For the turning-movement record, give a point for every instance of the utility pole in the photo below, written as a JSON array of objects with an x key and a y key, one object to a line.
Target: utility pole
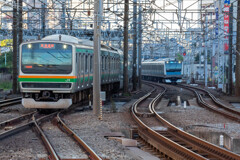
[
  {"x": 220, "y": 47},
  {"x": 96, "y": 56},
  {"x": 15, "y": 44},
  {"x": 20, "y": 33},
  {"x": 63, "y": 22},
  {"x": 237, "y": 72},
  {"x": 134, "y": 73},
  {"x": 140, "y": 47},
  {"x": 205, "y": 54},
  {"x": 125, "y": 56},
  {"x": 212, "y": 55},
  {"x": 43, "y": 20},
  {"x": 230, "y": 81},
  {"x": 20, "y": 22},
  {"x": 201, "y": 42}
]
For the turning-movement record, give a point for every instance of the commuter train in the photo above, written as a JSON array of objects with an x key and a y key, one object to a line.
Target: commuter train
[
  {"x": 57, "y": 71},
  {"x": 162, "y": 70}
]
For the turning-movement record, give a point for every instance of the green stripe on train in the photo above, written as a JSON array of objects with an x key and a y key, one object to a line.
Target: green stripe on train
[{"x": 46, "y": 80}]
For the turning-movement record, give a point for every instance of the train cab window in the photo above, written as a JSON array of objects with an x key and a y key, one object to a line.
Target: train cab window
[
  {"x": 86, "y": 64},
  {"x": 91, "y": 63}
]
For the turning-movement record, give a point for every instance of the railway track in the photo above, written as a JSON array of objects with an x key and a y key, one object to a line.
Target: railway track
[
  {"x": 90, "y": 154},
  {"x": 35, "y": 120},
  {"x": 216, "y": 105},
  {"x": 15, "y": 125},
  {"x": 171, "y": 142},
  {"x": 12, "y": 101}
]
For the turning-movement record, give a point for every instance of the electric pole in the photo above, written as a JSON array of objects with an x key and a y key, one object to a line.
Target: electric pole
[
  {"x": 20, "y": 20},
  {"x": 43, "y": 20},
  {"x": 96, "y": 56},
  {"x": 230, "y": 81},
  {"x": 140, "y": 47},
  {"x": 15, "y": 45},
  {"x": 134, "y": 75},
  {"x": 237, "y": 72},
  {"x": 205, "y": 54},
  {"x": 125, "y": 56}
]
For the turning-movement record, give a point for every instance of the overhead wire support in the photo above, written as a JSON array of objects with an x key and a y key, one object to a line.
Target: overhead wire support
[
  {"x": 125, "y": 52},
  {"x": 134, "y": 73},
  {"x": 206, "y": 54},
  {"x": 140, "y": 47},
  {"x": 15, "y": 46},
  {"x": 230, "y": 79},
  {"x": 237, "y": 72},
  {"x": 96, "y": 56}
]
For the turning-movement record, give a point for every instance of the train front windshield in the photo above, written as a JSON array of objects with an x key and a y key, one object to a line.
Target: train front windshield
[
  {"x": 46, "y": 58},
  {"x": 174, "y": 67}
]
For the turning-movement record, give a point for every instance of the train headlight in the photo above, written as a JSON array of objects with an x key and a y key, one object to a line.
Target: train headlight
[
  {"x": 29, "y": 46},
  {"x": 64, "y": 46},
  {"x": 167, "y": 62},
  {"x": 179, "y": 61}
]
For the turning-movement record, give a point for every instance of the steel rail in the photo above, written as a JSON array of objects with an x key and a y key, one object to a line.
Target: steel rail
[
  {"x": 10, "y": 102},
  {"x": 216, "y": 101},
  {"x": 210, "y": 107},
  {"x": 16, "y": 120},
  {"x": 44, "y": 138},
  {"x": 145, "y": 97},
  {"x": 160, "y": 142},
  {"x": 15, "y": 130},
  {"x": 215, "y": 150},
  {"x": 91, "y": 153}
]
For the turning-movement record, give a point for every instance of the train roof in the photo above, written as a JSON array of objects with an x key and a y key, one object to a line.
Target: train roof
[
  {"x": 159, "y": 60},
  {"x": 71, "y": 39},
  {"x": 150, "y": 61}
]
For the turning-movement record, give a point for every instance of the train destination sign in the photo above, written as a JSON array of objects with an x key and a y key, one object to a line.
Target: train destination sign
[{"x": 47, "y": 46}]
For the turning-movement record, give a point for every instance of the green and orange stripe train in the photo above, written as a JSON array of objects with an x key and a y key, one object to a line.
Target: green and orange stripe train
[{"x": 57, "y": 71}]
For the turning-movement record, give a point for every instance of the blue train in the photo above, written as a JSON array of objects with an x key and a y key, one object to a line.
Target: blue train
[{"x": 162, "y": 70}]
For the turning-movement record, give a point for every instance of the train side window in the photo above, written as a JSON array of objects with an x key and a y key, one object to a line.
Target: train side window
[
  {"x": 91, "y": 64},
  {"x": 82, "y": 63},
  {"x": 76, "y": 57},
  {"x": 108, "y": 62},
  {"x": 115, "y": 63},
  {"x": 102, "y": 63},
  {"x": 112, "y": 62},
  {"x": 105, "y": 63},
  {"x": 79, "y": 62},
  {"x": 86, "y": 64}
]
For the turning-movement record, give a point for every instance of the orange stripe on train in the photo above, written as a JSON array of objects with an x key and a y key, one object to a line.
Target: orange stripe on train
[{"x": 27, "y": 76}]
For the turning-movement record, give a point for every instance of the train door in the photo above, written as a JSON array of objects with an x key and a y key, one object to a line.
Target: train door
[
  {"x": 112, "y": 62},
  {"x": 109, "y": 66},
  {"x": 91, "y": 70},
  {"x": 102, "y": 68},
  {"x": 79, "y": 70},
  {"x": 87, "y": 70},
  {"x": 82, "y": 69}
]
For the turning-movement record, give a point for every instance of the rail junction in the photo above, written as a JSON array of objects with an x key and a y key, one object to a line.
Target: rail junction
[{"x": 124, "y": 80}]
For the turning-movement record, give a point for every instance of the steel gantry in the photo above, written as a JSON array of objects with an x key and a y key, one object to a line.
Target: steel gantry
[{"x": 172, "y": 26}]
